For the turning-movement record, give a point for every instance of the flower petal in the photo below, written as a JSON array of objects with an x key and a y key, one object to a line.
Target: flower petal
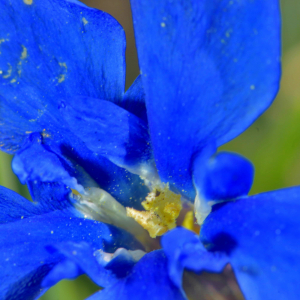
[
  {"x": 24, "y": 261},
  {"x": 52, "y": 49},
  {"x": 209, "y": 69},
  {"x": 65, "y": 269},
  {"x": 224, "y": 176},
  {"x": 103, "y": 268},
  {"x": 48, "y": 41},
  {"x": 148, "y": 280},
  {"x": 134, "y": 99},
  {"x": 47, "y": 168},
  {"x": 110, "y": 131},
  {"x": 14, "y": 207},
  {"x": 80, "y": 259},
  {"x": 92, "y": 170},
  {"x": 260, "y": 234},
  {"x": 184, "y": 250}
]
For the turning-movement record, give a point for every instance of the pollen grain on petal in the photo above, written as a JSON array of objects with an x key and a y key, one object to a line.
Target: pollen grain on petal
[
  {"x": 84, "y": 21},
  {"x": 28, "y": 2},
  {"x": 45, "y": 134}
]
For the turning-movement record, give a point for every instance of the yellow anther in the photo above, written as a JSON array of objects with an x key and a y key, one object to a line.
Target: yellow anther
[
  {"x": 75, "y": 192},
  {"x": 188, "y": 221},
  {"x": 162, "y": 209},
  {"x": 151, "y": 222}
]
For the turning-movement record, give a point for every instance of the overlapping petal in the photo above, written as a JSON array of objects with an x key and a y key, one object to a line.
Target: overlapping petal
[
  {"x": 110, "y": 131},
  {"x": 260, "y": 234},
  {"x": 225, "y": 176},
  {"x": 79, "y": 259},
  {"x": 134, "y": 99},
  {"x": 185, "y": 251},
  {"x": 209, "y": 69},
  {"x": 24, "y": 258},
  {"x": 105, "y": 269},
  {"x": 48, "y": 168},
  {"x": 148, "y": 280},
  {"x": 51, "y": 50}
]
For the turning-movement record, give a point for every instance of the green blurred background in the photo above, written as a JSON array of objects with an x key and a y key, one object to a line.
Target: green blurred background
[{"x": 272, "y": 143}]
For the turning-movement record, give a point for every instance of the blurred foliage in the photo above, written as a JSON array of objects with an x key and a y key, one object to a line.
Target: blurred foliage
[{"x": 272, "y": 143}]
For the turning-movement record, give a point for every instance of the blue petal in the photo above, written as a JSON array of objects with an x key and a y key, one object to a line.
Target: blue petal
[
  {"x": 134, "y": 99},
  {"x": 103, "y": 268},
  {"x": 90, "y": 45},
  {"x": 36, "y": 163},
  {"x": 148, "y": 280},
  {"x": 109, "y": 130},
  {"x": 50, "y": 196},
  {"x": 209, "y": 69},
  {"x": 65, "y": 269},
  {"x": 48, "y": 50},
  {"x": 124, "y": 186},
  {"x": 80, "y": 259},
  {"x": 224, "y": 176},
  {"x": 24, "y": 260},
  {"x": 260, "y": 234},
  {"x": 184, "y": 250},
  {"x": 121, "y": 262}
]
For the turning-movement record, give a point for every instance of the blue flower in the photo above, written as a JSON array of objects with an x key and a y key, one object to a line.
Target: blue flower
[{"x": 103, "y": 165}]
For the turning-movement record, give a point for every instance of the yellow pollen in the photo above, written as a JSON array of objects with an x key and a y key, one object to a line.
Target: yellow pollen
[
  {"x": 63, "y": 65},
  {"x": 8, "y": 71},
  {"x": 45, "y": 134},
  {"x": 28, "y": 2},
  {"x": 24, "y": 52},
  {"x": 188, "y": 221},
  {"x": 162, "y": 209},
  {"x": 84, "y": 20},
  {"x": 148, "y": 221},
  {"x": 75, "y": 192},
  {"x": 61, "y": 78}
]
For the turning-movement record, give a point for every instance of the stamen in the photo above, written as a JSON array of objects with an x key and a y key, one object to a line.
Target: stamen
[
  {"x": 189, "y": 222},
  {"x": 99, "y": 205},
  {"x": 75, "y": 192},
  {"x": 202, "y": 208},
  {"x": 149, "y": 221},
  {"x": 162, "y": 209}
]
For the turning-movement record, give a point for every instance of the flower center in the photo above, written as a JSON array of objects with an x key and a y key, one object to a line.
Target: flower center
[{"x": 162, "y": 207}]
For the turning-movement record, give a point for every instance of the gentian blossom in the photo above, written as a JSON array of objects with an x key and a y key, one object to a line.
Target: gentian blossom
[{"x": 109, "y": 170}]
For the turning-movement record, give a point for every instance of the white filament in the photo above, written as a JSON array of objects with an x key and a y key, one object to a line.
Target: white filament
[{"x": 99, "y": 205}]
